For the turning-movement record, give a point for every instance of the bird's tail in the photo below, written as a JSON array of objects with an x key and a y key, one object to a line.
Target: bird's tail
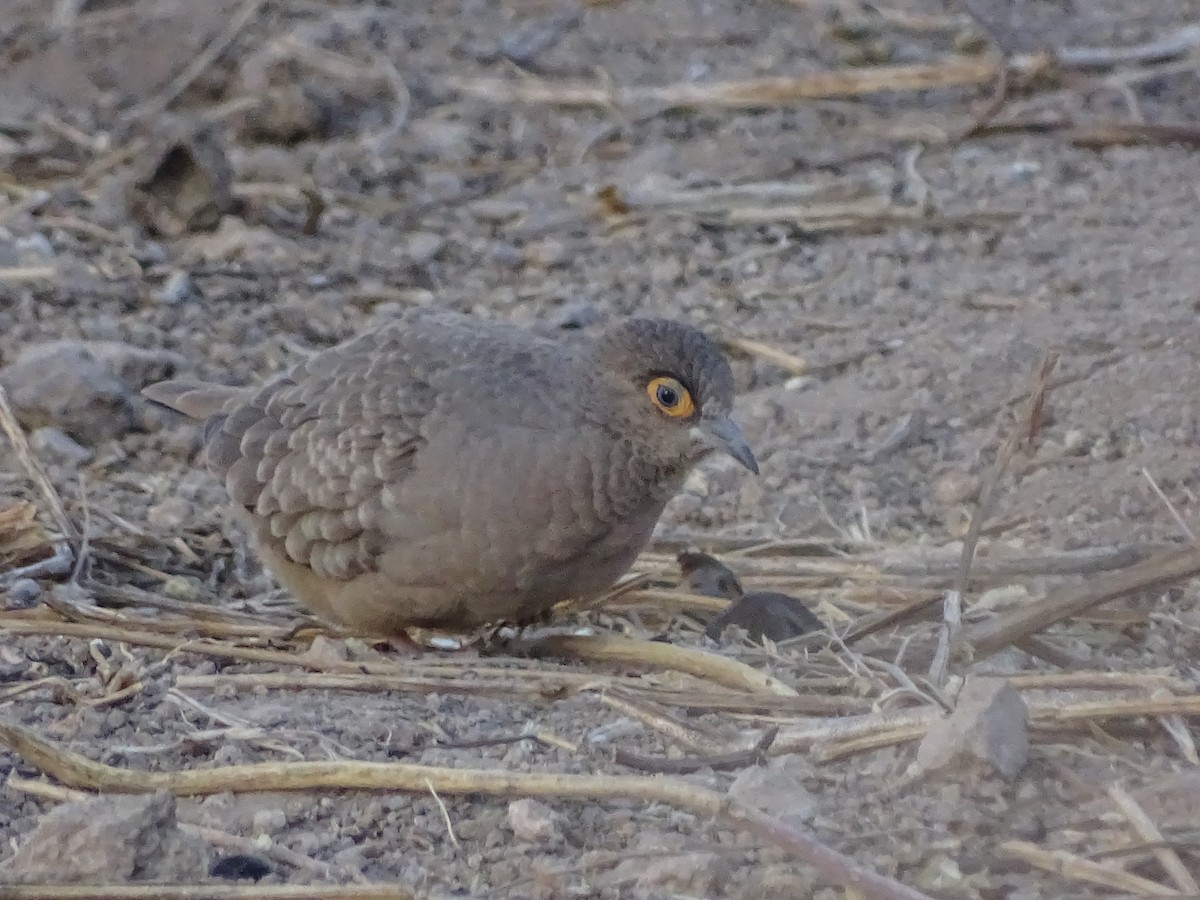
[{"x": 197, "y": 399}]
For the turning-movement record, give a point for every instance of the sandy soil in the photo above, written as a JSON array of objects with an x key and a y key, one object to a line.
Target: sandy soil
[{"x": 364, "y": 157}]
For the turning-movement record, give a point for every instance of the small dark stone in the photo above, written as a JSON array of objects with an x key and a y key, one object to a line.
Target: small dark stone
[
  {"x": 24, "y": 593},
  {"x": 766, "y": 614},
  {"x": 240, "y": 866}
]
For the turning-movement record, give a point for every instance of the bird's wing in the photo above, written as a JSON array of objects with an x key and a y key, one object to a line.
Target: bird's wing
[
  {"x": 195, "y": 399},
  {"x": 314, "y": 455}
]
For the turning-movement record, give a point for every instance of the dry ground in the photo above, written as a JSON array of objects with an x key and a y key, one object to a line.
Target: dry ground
[{"x": 890, "y": 324}]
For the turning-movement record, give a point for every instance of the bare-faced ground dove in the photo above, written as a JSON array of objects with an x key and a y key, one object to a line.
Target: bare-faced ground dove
[
  {"x": 762, "y": 614},
  {"x": 446, "y": 472}
]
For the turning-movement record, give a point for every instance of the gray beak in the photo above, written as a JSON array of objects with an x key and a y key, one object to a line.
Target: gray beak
[{"x": 724, "y": 435}]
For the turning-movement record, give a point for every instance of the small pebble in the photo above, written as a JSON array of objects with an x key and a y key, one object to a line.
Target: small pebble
[
  {"x": 34, "y": 248},
  {"x": 179, "y": 288},
  {"x": 496, "y": 212},
  {"x": 57, "y": 446},
  {"x": 269, "y": 821},
  {"x": 423, "y": 246},
  {"x": 115, "y": 720},
  {"x": 240, "y": 866},
  {"x": 22, "y": 594},
  {"x": 1075, "y": 442},
  {"x": 182, "y": 587},
  {"x": 533, "y": 822},
  {"x": 955, "y": 486}
]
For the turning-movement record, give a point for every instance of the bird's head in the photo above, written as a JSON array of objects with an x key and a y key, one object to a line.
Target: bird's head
[{"x": 674, "y": 390}]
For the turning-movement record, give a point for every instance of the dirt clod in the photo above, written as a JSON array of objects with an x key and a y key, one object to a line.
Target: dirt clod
[
  {"x": 109, "y": 839},
  {"x": 534, "y": 822}
]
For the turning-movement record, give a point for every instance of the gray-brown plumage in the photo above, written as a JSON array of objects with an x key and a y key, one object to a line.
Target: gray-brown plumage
[{"x": 446, "y": 472}]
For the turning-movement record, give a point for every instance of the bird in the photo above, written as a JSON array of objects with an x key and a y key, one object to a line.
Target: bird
[
  {"x": 706, "y": 575},
  {"x": 443, "y": 471},
  {"x": 762, "y": 614}
]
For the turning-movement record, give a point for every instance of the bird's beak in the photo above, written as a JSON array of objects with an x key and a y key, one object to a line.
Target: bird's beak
[{"x": 723, "y": 434}]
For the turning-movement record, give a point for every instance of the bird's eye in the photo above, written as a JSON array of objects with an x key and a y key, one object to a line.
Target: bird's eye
[{"x": 670, "y": 397}]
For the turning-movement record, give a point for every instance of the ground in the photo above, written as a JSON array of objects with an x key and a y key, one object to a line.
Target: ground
[{"x": 220, "y": 188}]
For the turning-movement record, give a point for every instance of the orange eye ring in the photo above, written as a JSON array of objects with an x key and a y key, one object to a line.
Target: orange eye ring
[{"x": 671, "y": 397}]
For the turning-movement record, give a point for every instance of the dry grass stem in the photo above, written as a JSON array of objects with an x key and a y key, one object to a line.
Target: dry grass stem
[
  {"x": 1055, "y": 713},
  {"x": 1148, "y": 832},
  {"x": 158, "y": 102},
  {"x": 656, "y": 655},
  {"x": 21, "y": 536},
  {"x": 1180, "y": 41},
  {"x": 44, "y": 790},
  {"x": 1069, "y": 865},
  {"x": 852, "y": 734},
  {"x": 1171, "y": 508},
  {"x": 35, "y": 471},
  {"x": 783, "y": 91},
  {"x": 1100, "y": 681},
  {"x": 755, "y": 93},
  {"x": 831, "y": 751},
  {"x": 1025, "y": 432},
  {"x": 900, "y": 726},
  {"x": 21, "y": 274},
  {"x": 789, "y": 362},
  {"x": 445, "y": 814},
  {"x": 995, "y": 634},
  {"x": 993, "y": 562},
  {"x": 693, "y": 736}
]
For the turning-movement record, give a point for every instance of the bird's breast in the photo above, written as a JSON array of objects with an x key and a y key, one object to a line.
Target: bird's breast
[{"x": 523, "y": 510}]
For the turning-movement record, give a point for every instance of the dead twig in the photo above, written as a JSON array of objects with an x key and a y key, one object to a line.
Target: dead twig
[
  {"x": 1148, "y": 832},
  {"x": 1178, "y": 42},
  {"x": 1070, "y": 865},
  {"x": 780, "y": 91},
  {"x": 1156, "y": 573},
  {"x": 1097, "y": 134},
  {"x": 720, "y": 762},
  {"x": 155, "y": 104},
  {"x": 1171, "y": 508},
  {"x": 70, "y": 543},
  {"x": 1028, "y": 428},
  {"x": 696, "y": 736},
  {"x": 789, "y": 362},
  {"x": 1111, "y": 134},
  {"x": 760, "y": 93},
  {"x": 829, "y": 739}
]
